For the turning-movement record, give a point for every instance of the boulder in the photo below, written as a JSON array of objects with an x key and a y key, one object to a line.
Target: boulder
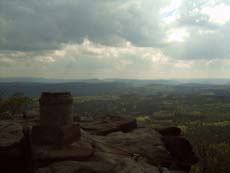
[
  {"x": 6, "y": 116},
  {"x": 143, "y": 143},
  {"x": 181, "y": 151},
  {"x": 11, "y": 147},
  {"x": 56, "y": 136},
  {"x": 79, "y": 151},
  {"x": 108, "y": 159},
  {"x": 124, "y": 149},
  {"x": 169, "y": 131},
  {"x": 122, "y": 165},
  {"x": 11, "y": 134},
  {"x": 109, "y": 124},
  {"x": 79, "y": 167},
  {"x": 76, "y": 118}
]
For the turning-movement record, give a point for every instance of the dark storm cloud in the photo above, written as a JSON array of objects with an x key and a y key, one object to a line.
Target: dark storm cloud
[
  {"x": 37, "y": 25},
  {"x": 114, "y": 38}
]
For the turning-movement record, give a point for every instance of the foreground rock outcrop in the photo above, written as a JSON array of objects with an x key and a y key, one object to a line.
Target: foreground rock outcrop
[
  {"x": 136, "y": 150},
  {"x": 112, "y": 144},
  {"x": 117, "y": 152},
  {"x": 109, "y": 124},
  {"x": 11, "y": 146}
]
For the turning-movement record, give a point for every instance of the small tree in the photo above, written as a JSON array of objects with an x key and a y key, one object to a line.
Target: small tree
[{"x": 17, "y": 103}]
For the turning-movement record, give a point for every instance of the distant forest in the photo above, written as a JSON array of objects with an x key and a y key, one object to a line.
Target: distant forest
[
  {"x": 33, "y": 87},
  {"x": 201, "y": 110}
]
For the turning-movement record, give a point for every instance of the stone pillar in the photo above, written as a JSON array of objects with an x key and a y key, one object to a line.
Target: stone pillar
[
  {"x": 55, "y": 109},
  {"x": 56, "y": 121}
]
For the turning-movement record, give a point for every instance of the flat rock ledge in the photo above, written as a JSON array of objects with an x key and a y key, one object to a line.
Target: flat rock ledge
[
  {"x": 109, "y": 124},
  {"x": 11, "y": 146},
  {"x": 111, "y": 145}
]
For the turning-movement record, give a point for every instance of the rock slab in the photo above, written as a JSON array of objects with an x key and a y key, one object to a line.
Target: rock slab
[{"x": 108, "y": 125}]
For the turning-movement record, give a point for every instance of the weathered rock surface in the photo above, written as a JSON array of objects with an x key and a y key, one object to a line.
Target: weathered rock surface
[
  {"x": 124, "y": 149},
  {"x": 169, "y": 131},
  {"x": 115, "y": 153},
  {"x": 56, "y": 136},
  {"x": 143, "y": 142},
  {"x": 79, "y": 167},
  {"x": 11, "y": 147},
  {"x": 79, "y": 151},
  {"x": 181, "y": 151},
  {"x": 109, "y": 124},
  {"x": 10, "y": 134}
]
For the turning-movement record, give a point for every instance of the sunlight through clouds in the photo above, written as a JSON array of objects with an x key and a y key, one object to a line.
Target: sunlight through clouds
[
  {"x": 219, "y": 14},
  {"x": 113, "y": 39},
  {"x": 170, "y": 13},
  {"x": 177, "y": 35}
]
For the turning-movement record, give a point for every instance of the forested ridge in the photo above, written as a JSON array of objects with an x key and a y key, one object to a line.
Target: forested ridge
[{"x": 201, "y": 111}]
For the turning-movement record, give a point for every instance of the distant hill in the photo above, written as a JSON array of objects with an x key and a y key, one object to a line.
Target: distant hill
[
  {"x": 134, "y": 82},
  {"x": 188, "y": 88},
  {"x": 77, "y": 88},
  {"x": 45, "y": 80},
  {"x": 34, "y": 86}
]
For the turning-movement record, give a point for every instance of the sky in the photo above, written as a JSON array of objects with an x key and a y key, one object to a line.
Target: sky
[{"x": 136, "y": 39}]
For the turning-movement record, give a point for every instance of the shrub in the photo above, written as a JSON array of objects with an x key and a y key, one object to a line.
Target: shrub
[{"x": 17, "y": 103}]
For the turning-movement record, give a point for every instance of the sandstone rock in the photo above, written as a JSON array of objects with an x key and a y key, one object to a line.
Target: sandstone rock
[
  {"x": 79, "y": 151},
  {"x": 55, "y": 109},
  {"x": 114, "y": 153},
  {"x": 11, "y": 153},
  {"x": 109, "y": 124},
  {"x": 76, "y": 118},
  {"x": 6, "y": 116},
  {"x": 78, "y": 167},
  {"x": 169, "y": 131},
  {"x": 58, "y": 136},
  {"x": 122, "y": 165},
  {"x": 56, "y": 126},
  {"x": 111, "y": 149},
  {"x": 131, "y": 166},
  {"x": 144, "y": 142},
  {"x": 10, "y": 134},
  {"x": 181, "y": 151},
  {"x": 44, "y": 170}
]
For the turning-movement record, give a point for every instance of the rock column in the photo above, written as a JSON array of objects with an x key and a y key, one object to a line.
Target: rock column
[
  {"x": 55, "y": 109},
  {"x": 56, "y": 121}
]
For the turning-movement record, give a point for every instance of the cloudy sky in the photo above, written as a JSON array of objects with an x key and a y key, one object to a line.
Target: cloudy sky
[{"x": 143, "y": 39}]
